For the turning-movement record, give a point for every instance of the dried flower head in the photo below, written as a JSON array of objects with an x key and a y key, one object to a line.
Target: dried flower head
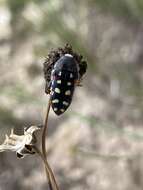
[
  {"x": 55, "y": 55},
  {"x": 21, "y": 144}
]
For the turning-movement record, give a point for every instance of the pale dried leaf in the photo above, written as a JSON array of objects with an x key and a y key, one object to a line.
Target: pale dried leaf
[{"x": 21, "y": 144}]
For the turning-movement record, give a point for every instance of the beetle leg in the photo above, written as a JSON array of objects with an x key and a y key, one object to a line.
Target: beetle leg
[
  {"x": 47, "y": 87},
  {"x": 78, "y": 82}
]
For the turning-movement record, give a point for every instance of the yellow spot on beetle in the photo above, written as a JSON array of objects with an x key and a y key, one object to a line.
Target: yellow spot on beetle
[
  {"x": 55, "y": 109},
  {"x": 69, "y": 83},
  {"x": 57, "y": 90},
  {"x": 65, "y": 103},
  {"x": 59, "y": 81},
  {"x": 68, "y": 93},
  {"x": 55, "y": 101}
]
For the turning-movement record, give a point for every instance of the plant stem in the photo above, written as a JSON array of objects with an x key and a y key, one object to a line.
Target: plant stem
[
  {"x": 49, "y": 172},
  {"x": 51, "y": 178},
  {"x": 45, "y": 129}
]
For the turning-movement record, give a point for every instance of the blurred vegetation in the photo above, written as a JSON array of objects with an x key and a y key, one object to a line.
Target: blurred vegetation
[
  {"x": 131, "y": 10},
  {"x": 108, "y": 33},
  {"x": 52, "y": 23}
]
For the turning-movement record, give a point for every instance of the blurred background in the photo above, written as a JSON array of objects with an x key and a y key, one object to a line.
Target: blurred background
[{"x": 98, "y": 142}]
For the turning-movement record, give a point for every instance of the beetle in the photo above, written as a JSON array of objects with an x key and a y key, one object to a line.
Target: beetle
[{"x": 64, "y": 76}]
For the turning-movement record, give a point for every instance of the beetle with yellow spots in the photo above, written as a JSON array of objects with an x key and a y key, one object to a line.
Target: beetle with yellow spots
[{"x": 63, "y": 72}]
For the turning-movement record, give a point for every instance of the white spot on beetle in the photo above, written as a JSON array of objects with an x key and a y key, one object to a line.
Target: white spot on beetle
[
  {"x": 68, "y": 93},
  {"x": 53, "y": 71},
  {"x": 65, "y": 103},
  {"x": 59, "y": 81},
  {"x": 62, "y": 110},
  {"x": 60, "y": 73},
  {"x": 71, "y": 75},
  {"x": 55, "y": 101},
  {"x": 68, "y": 55},
  {"x": 57, "y": 90},
  {"x": 52, "y": 82},
  {"x": 52, "y": 92}
]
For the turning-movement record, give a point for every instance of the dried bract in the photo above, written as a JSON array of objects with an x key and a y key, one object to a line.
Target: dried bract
[
  {"x": 21, "y": 144},
  {"x": 55, "y": 55}
]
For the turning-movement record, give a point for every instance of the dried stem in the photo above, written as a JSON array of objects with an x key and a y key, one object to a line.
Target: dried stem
[
  {"x": 51, "y": 178},
  {"x": 45, "y": 129}
]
